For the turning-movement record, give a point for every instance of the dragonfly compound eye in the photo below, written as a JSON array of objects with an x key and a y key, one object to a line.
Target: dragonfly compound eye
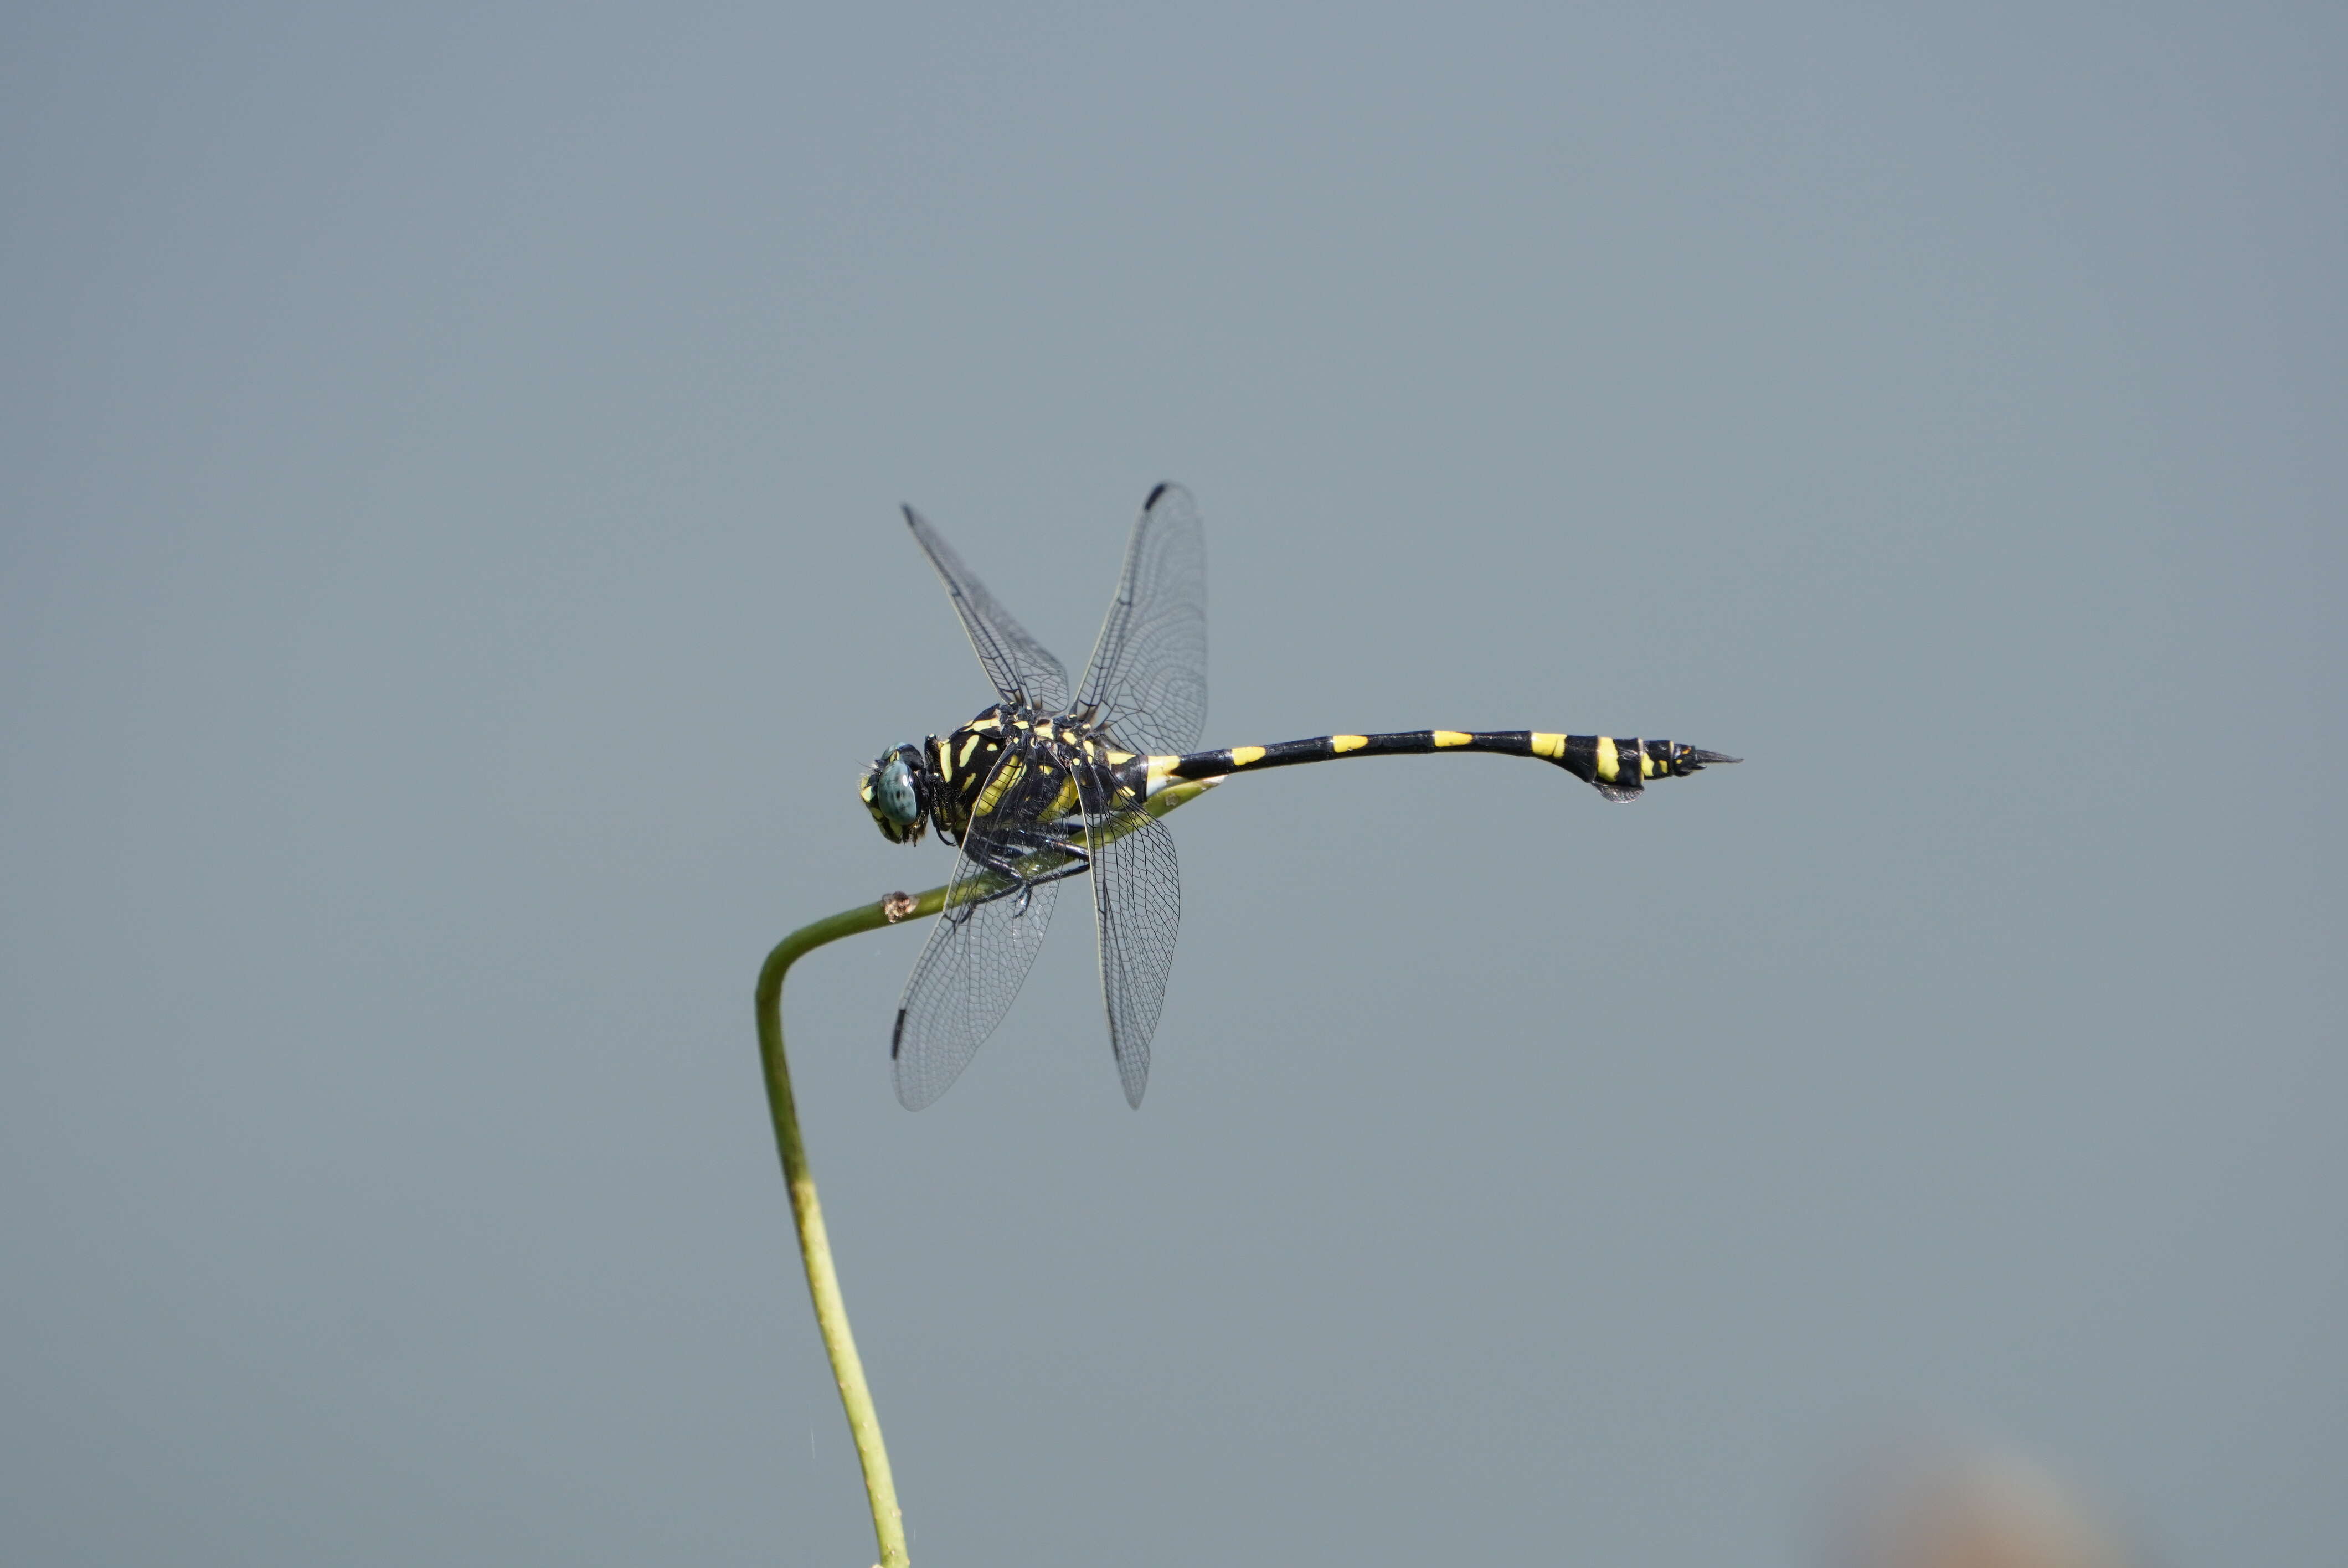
[{"x": 890, "y": 794}]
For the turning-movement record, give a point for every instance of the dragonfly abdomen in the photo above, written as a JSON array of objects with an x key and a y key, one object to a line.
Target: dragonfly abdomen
[{"x": 1618, "y": 768}]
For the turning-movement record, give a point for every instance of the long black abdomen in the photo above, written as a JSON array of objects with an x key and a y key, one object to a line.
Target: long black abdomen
[{"x": 1618, "y": 768}]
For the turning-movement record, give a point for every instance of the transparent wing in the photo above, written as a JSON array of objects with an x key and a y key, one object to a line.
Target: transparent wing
[
  {"x": 998, "y": 906},
  {"x": 1147, "y": 678},
  {"x": 1137, "y": 912},
  {"x": 1022, "y": 669},
  {"x": 979, "y": 951}
]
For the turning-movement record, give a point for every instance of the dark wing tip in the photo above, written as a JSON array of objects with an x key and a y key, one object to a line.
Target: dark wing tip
[
  {"x": 913, "y": 1093},
  {"x": 1163, "y": 486}
]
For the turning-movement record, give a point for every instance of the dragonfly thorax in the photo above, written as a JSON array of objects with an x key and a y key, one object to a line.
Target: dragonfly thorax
[{"x": 1011, "y": 758}]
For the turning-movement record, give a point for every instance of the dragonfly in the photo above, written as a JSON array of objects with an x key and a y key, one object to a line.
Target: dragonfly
[{"x": 1040, "y": 788}]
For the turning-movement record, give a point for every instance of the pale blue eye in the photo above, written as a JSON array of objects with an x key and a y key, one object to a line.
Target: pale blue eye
[{"x": 895, "y": 789}]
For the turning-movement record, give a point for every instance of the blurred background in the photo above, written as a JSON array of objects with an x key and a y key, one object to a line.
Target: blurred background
[{"x": 450, "y": 577}]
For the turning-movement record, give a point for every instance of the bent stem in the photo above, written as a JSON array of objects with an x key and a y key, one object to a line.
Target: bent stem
[{"x": 815, "y": 1248}]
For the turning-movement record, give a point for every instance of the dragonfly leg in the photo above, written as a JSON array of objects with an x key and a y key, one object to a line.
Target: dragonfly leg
[{"x": 1013, "y": 863}]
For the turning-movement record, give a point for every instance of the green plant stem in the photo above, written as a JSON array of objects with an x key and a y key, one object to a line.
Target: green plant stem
[
  {"x": 815, "y": 1248},
  {"x": 807, "y": 1212}
]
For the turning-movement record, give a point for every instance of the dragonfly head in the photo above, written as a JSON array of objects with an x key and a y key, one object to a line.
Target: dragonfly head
[{"x": 892, "y": 791}]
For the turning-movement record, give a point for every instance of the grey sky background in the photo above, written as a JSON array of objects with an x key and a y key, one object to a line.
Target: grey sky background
[{"x": 450, "y": 578}]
